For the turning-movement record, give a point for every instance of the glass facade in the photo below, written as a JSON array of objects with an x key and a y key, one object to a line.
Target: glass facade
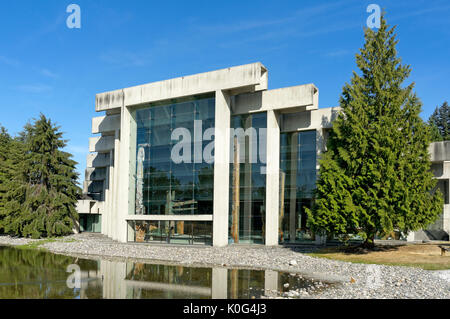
[
  {"x": 90, "y": 223},
  {"x": 164, "y": 185},
  {"x": 171, "y": 232},
  {"x": 297, "y": 182},
  {"x": 248, "y": 179}
]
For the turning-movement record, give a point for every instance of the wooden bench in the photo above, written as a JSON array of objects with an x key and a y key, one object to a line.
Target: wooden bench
[{"x": 444, "y": 249}]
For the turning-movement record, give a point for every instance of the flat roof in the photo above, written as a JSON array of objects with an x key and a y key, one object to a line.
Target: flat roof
[{"x": 249, "y": 78}]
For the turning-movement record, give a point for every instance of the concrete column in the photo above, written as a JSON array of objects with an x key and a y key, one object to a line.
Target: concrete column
[
  {"x": 120, "y": 275},
  {"x": 219, "y": 285},
  {"x": 106, "y": 205},
  {"x": 115, "y": 197},
  {"x": 221, "y": 169},
  {"x": 111, "y": 194},
  {"x": 272, "y": 178},
  {"x": 124, "y": 175}
]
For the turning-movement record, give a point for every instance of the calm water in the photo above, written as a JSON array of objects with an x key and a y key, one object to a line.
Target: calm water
[{"x": 39, "y": 274}]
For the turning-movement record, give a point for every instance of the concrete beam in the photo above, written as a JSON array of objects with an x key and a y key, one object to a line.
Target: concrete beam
[
  {"x": 302, "y": 97},
  {"x": 309, "y": 120},
  {"x": 253, "y": 76}
]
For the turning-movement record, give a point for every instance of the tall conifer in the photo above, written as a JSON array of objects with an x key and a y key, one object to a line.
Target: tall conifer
[
  {"x": 375, "y": 175},
  {"x": 440, "y": 123},
  {"x": 42, "y": 200}
]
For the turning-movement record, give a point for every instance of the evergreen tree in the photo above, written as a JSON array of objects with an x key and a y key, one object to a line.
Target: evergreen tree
[
  {"x": 375, "y": 175},
  {"x": 12, "y": 152},
  {"x": 440, "y": 123},
  {"x": 42, "y": 200},
  {"x": 5, "y": 169}
]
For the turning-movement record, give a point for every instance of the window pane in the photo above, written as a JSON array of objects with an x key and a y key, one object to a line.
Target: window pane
[
  {"x": 247, "y": 195},
  {"x": 297, "y": 183},
  {"x": 163, "y": 186}
]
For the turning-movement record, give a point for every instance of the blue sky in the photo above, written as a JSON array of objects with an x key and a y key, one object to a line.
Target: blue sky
[{"x": 46, "y": 67}]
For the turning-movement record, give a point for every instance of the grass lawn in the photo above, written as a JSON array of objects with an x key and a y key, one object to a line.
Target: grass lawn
[
  {"x": 426, "y": 256},
  {"x": 39, "y": 243}
]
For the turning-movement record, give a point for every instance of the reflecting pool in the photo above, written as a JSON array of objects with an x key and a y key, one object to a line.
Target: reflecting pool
[{"x": 35, "y": 274}]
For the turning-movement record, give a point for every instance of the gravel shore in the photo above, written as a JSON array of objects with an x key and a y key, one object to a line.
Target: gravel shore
[{"x": 352, "y": 280}]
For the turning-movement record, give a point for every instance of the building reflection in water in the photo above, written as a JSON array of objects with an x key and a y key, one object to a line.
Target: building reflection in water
[
  {"x": 37, "y": 274},
  {"x": 128, "y": 280}
]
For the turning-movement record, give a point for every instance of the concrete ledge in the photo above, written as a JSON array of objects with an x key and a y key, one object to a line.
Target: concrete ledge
[
  {"x": 95, "y": 174},
  {"x": 440, "y": 151},
  {"x": 105, "y": 124},
  {"x": 98, "y": 160},
  {"x": 93, "y": 187},
  {"x": 101, "y": 144},
  {"x": 253, "y": 76},
  {"x": 83, "y": 206},
  {"x": 88, "y": 206}
]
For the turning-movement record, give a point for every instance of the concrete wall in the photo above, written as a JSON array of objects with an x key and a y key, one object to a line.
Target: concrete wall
[{"x": 440, "y": 229}]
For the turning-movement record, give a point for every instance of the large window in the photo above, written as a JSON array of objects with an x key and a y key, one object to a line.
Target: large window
[
  {"x": 297, "y": 183},
  {"x": 248, "y": 178},
  {"x": 90, "y": 223},
  {"x": 171, "y": 232},
  {"x": 164, "y": 185}
]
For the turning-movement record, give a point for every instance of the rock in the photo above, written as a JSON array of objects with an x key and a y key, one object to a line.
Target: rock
[
  {"x": 293, "y": 262},
  {"x": 286, "y": 285}
]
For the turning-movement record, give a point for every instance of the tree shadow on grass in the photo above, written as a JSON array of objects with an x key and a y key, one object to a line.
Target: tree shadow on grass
[{"x": 360, "y": 250}]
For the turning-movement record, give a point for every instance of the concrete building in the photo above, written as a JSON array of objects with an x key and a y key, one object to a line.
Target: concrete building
[
  {"x": 213, "y": 158},
  {"x": 440, "y": 229}
]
